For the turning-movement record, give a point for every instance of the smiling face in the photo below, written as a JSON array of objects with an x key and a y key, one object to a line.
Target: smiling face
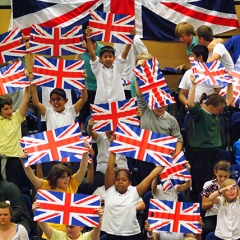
[
  {"x": 7, "y": 111},
  {"x": 73, "y": 232},
  {"x": 58, "y": 102},
  {"x": 122, "y": 182},
  {"x": 186, "y": 39},
  {"x": 107, "y": 59},
  {"x": 5, "y": 216},
  {"x": 231, "y": 194}
]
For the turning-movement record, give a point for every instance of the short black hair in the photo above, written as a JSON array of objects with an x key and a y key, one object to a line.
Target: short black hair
[
  {"x": 200, "y": 50},
  {"x": 107, "y": 49},
  {"x": 5, "y": 100},
  {"x": 59, "y": 91}
]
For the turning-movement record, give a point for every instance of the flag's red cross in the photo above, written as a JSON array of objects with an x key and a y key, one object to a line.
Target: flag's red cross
[
  {"x": 67, "y": 208},
  {"x": 109, "y": 26},
  {"x": 177, "y": 216},
  {"x": 56, "y": 41},
  {"x": 53, "y": 143},
  {"x": 9, "y": 46},
  {"x": 60, "y": 73},
  {"x": 115, "y": 115},
  {"x": 143, "y": 144},
  {"x": 171, "y": 170},
  {"x": 211, "y": 74},
  {"x": 9, "y": 78}
]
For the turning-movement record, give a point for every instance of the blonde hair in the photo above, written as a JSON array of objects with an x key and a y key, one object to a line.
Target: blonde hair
[
  {"x": 189, "y": 238},
  {"x": 143, "y": 56},
  {"x": 184, "y": 28},
  {"x": 226, "y": 183}
]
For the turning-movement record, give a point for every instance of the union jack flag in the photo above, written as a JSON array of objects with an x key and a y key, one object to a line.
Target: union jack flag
[
  {"x": 236, "y": 85},
  {"x": 53, "y": 144},
  {"x": 12, "y": 78},
  {"x": 174, "y": 216},
  {"x": 143, "y": 144},
  {"x": 11, "y": 45},
  {"x": 108, "y": 115},
  {"x": 176, "y": 174},
  {"x": 219, "y": 15},
  {"x": 109, "y": 27},
  {"x": 211, "y": 73},
  {"x": 67, "y": 208},
  {"x": 56, "y": 41},
  {"x": 153, "y": 85},
  {"x": 58, "y": 73}
]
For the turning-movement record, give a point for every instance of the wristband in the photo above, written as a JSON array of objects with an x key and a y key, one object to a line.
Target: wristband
[
  {"x": 219, "y": 192},
  {"x": 149, "y": 236}
]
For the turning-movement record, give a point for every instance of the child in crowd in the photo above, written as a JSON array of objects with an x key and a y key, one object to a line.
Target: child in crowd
[
  {"x": 227, "y": 201},
  {"x": 219, "y": 52},
  {"x": 170, "y": 195},
  {"x": 91, "y": 82},
  {"x": 70, "y": 231},
  {"x": 205, "y": 141},
  {"x": 8, "y": 229},
  {"x": 102, "y": 140},
  {"x": 107, "y": 71},
  {"x": 59, "y": 179},
  {"x": 119, "y": 220},
  {"x": 158, "y": 120},
  {"x": 210, "y": 219},
  {"x": 10, "y": 129},
  {"x": 185, "y": 32},
  {"x": 59, "y": 115}
]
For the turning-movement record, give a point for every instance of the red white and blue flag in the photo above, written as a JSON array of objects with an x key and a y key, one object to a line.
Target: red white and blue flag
[
  {"x": 58, "y": 73},
  {"x": 210, "y": 73},
  {"x": 56, "y": 41},
  {"x": 153, "y": 84},
  {"x": 143, "y": 144},
  {"x": 236, "y": 85},
  {"x": 53, "y": 144},
  {"x": 11, "y": 45},
  {"x": 109, "y": 27},
  {"x": 67, "y": 208},
  {"x": 219, "y": 15},
  {"x": 174, "y": 216},
  {"x": 108, "y": 115},
  {"x": 176, "y": 174},
  {"x": 12, "y": 78}
]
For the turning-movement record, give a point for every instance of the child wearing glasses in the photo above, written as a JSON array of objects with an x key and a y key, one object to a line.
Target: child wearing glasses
[
  {"x": 205, "y": 141},
  {"x": 59, "y": 115}
]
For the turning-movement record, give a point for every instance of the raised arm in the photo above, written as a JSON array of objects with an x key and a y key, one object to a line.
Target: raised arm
[
  {"x": 83, "y": 165},
  {"x": 146, "y": 182},
  {"x": 192, "y": 92},
  {"x": 95, "y": 232},
  {"x": 94, "y": 135},
  {"x": 41, "y": 108},
  {"x": 48, "y": 231},
  {"x": 229, "y": 94},
  {"x": 89, "y": 45},
  {"x": 37, "y": 183},
  {"x": 24, "y": 105},
  {"x": 128, "y": 46},
  {"x": 109, "y": 175},
  {"x": 80, "y": 103},
  {"x": 154, "y": 186}
]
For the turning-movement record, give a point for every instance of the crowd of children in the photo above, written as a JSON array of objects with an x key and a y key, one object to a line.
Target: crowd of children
[{"x": 104, "y": 75}]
